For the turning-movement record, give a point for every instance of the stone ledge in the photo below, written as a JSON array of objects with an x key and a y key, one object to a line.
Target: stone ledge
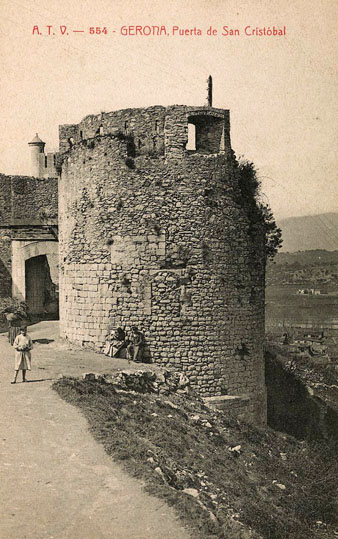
[
  {"x": 227, "y": 398},
  {"x": 248, "y": 406},
  {"x": 231, "y": 403},
  {"x": 15, "y": 223}
]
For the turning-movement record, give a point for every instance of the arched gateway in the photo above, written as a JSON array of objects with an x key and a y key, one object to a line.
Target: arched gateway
[{"x": 35, "y": 274}]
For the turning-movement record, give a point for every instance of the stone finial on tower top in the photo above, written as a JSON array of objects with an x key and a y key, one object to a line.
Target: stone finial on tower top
[{"x": 209, "y": 91}]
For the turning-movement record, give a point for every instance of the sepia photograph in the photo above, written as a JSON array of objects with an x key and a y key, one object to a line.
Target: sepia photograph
[{"x": 169, "y": 269}]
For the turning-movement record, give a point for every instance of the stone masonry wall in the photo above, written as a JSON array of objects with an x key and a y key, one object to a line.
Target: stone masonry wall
[
  {"x": 5, "y": 236},
  {"x": 22, "y": 199},
  {"x": 146, "y": 126},
  {"x": 163, "y": 242}
]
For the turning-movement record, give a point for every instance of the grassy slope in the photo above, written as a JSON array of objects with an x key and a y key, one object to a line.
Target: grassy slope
[{"x": 272, "y": 486}]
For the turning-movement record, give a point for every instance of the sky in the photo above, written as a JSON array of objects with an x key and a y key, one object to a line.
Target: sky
[{"x": 281, "y": 91}]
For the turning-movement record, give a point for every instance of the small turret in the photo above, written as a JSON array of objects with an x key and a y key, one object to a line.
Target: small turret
[{"x": 37, "y": 147}]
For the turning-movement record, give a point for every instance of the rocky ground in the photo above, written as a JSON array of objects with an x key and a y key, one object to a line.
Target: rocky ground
[{"x": 226, "y": 479}]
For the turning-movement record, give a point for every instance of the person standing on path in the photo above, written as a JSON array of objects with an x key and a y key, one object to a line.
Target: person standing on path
[{"x": 23, "y": 345}]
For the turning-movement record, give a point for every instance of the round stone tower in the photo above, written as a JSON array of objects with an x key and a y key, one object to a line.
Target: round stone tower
[
  {"x": 155, "y": 233},
  {"x": 37, "y": 147}
]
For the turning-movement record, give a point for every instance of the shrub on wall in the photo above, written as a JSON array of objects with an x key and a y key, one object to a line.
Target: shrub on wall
[{"x": 259, "y": 214}]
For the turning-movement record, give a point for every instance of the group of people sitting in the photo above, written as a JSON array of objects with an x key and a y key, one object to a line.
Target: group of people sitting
[{"x": 129, "y": 346}]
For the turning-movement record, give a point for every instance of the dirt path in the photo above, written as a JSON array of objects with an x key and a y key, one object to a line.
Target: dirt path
[{"x": 56, "y": 481}]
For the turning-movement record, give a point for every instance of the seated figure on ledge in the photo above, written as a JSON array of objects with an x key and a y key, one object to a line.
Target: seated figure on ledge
[
  {"x": 116, "y": 345},
  {"x": 135, "y": 345}
]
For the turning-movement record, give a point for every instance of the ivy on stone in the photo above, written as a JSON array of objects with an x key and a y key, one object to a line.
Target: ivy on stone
[{"x": 259, "y": 214}]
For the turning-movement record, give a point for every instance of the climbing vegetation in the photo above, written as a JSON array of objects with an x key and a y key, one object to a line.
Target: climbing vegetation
[{"x": 259, "y": 213}]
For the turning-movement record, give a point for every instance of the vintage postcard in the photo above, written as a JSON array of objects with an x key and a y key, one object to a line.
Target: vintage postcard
[{"x": 168, "y": 269}]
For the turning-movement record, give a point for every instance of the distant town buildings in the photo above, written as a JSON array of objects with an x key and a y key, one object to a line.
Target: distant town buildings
[{"x": 310, "y": 291}]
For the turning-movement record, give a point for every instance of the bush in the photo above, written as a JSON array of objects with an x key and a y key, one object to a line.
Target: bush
[
  {"x": 15, "y": 306},
  {"x": 259, "y": 214}
]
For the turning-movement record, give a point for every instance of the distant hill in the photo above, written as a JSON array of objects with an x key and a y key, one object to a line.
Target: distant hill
[
  {"x": 316, "y": 257},
  {"x": 314, "y": 269},
  {"x": 310, "y": 232}
]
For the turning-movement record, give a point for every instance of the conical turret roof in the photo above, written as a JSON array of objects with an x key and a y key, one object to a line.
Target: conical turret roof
[{"x": 36, "y": 140}]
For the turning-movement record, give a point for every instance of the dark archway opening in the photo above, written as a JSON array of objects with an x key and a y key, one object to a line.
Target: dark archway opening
[{"x": 41, "y": 292}]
